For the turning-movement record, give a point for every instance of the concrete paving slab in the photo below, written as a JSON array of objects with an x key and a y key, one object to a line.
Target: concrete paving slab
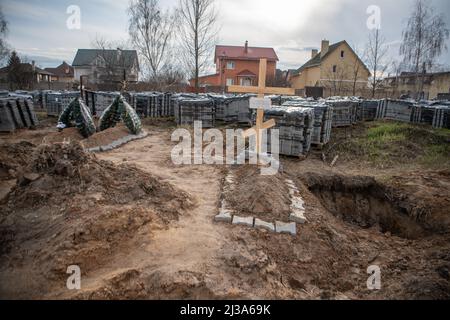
[
  {"x": 282, "y": 227},
  {"x": 243, "y": 221},
  {"x": 260, "y": 224}
]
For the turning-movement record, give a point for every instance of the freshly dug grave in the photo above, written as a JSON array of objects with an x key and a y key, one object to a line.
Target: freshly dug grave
[
  {"x": 264, "y": 197},
  {"x": 96, "y": 140},
  {"x": 69, "y": 208},
  {"x": 364, "y": 202}
]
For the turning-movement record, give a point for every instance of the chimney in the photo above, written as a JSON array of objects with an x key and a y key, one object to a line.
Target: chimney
[
  {"x": 246, "y": 47},
  {"x": 325, "y": 47},
  {"x": 33, "y": 66},
  {"x": 314, "y": 53}
]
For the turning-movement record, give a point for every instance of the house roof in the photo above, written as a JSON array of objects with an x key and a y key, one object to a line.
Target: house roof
[
  {"x": 238, "y": 52},
  {"x": 85, "y": 57},
  {"x": 63, "y": 71},
  {"x": 317, "y": 60},
  {"x": 28, "y": 67},
  {"x": 246, "y": 73}
]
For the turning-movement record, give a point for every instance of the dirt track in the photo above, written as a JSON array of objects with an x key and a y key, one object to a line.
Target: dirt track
[{"x": 193, "y": 257}]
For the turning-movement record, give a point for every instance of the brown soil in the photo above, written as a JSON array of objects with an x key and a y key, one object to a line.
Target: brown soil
[
  {"x": 97, "y": 139},
  {"x": 68, "y": 208},
  {"x": 132, "y": 244},
  {"x": 264, "y": 197}
]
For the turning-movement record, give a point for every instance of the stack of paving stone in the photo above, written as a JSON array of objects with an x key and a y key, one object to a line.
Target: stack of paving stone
[
  {"x": 148, "y": 105},
  {"x": 295, "y": 126},
  {"x": 55, "y": 102},
  {"x": 441, "y": 118},
  {"x": 16, "y": 113},
  {"x": 225, "y": 109},
  {"x": 398, "y": 110},
  {"x": 345, "y": 111},
  {"x": 423, "y": 113},
  {"x": 367, "y": 110},
  {"x": 189, "y": 110},
  {"x": 243, "y": 105},
  {"x": 323, "y": 119},
  {"x": 167, "y": 104},
  {"x": 102, "y": 100},
  {"x": 276, "y": 100}
]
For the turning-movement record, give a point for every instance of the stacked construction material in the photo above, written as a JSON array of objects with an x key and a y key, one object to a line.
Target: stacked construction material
[
  {"x": 16, "y": 113},
  {"x": 77, "y": 114},
  {"x": 276, "y": 100},
  {"x": 55, "y": 102},
  {"x": 188, "y": 110},
  {"x": 441, "y": 117},
  {"x": 345, "y": 111},
  {"x": 102, "y": 100},
  {"x": 232, "y": 108},
  {"x": 367, "y": 110},
  {"x": 243, "y": 106},
  {"x": 167, "y": 109},
  {"x": 423, "y": 113},
  {"x": 295, "y": 126},
  {"x": 149, "y": 105},
  {"x": 323, "y": 119},
  {"x": 399, "y": 110}
]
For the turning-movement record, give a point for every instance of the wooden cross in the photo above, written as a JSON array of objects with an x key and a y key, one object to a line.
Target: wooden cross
[{"x": 261, "y": 89}]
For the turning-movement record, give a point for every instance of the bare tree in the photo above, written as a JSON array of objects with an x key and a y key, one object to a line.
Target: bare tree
[
  {"x": 376, "y": 53},
  {"x": 356, "y": 68},
  {"x": 198, "y": 34},
  {"x": 423, "y": 41},
  {"x": 111, "y": 62},
  {"x": 151, "y": 31},
  {"x": 4, "y": 48}
]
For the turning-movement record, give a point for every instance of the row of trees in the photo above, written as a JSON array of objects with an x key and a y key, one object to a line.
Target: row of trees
[
  {"x": 423, "y": 41},
  {"x": 173, "y": 44}
]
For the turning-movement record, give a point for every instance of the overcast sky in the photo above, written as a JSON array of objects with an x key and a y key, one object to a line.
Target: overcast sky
[{"x": 37, "y": 28}]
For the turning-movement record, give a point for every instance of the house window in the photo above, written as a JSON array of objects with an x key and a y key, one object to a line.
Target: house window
[
  {"x": 230, "y": 65},
  {"x": 334, "y": 69},
  {"x": 230, "y": 82},
  {"x": 342, "y": 53}
]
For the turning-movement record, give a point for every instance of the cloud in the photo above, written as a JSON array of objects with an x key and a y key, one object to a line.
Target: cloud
[{"x": 292, "y": 27}]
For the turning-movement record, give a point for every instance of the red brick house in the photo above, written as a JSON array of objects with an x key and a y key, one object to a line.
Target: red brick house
[{"x": 237, "y": 65}]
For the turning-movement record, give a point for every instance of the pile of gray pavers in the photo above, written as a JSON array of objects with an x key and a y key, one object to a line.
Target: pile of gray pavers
[
  {"x": 367, "y": 110},
  {"x": 323, "y": 119},
  {"x": 17, "y": 112},
  {"x": 295, "y": 125},
  {"x": 231, "y": 109},
  {"x": 54, "y": 102},
  {"x": 345, "y": 111},
  {"x": 189, "y": 110},
  {"x": 434, "y": 113},
  {"x": 153, "y": 104}
]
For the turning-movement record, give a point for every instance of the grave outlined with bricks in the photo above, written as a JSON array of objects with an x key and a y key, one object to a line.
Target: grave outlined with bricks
[{"x": 297, "y": 212}]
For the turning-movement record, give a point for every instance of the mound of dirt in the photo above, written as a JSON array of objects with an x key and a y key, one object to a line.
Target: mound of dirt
[
  {"x": 13, "y": 157},
  {"x": 69, "y": 208},
  {"x": 264, "y": 197},
  {"x": 96, "y": 140}
]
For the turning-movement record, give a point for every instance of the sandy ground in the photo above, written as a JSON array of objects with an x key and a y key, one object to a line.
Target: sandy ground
[{"x": 196, "y": 258}]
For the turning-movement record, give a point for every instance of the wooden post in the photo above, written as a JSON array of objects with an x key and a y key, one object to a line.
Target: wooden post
[{"x": 261, "y": 89}]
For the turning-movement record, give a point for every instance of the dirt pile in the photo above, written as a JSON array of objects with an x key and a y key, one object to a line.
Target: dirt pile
[
  {"x": 13, "y": 156},
  {"x": 96, "y": 140},
  {"x": 69, "y": 208},
  {"x": 264, "y": 197}
]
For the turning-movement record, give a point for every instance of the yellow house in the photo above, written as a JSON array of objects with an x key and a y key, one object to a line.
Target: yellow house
[{"x": 336, "y": 68}]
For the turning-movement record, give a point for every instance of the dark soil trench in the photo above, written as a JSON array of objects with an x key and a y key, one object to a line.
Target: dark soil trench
[{"x": 363, "y": 202}]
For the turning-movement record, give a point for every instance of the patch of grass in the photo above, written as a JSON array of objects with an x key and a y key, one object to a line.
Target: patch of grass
[{"x": 389, "y": 144}]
